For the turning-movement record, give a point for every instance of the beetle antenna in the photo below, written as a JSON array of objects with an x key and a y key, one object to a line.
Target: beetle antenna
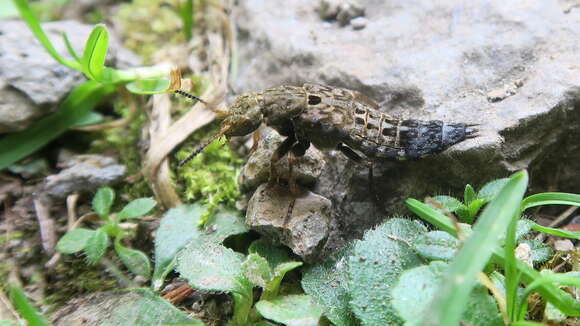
[
  {"x": 186, "y": 94},
  {"x": 201, "y": 148}
]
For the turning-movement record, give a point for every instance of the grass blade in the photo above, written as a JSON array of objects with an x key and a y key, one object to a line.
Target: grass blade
[
  {"x": 70, "y": 48},
  {"x": 550, "y": 198},
  {"x": 557, "y": 232},
  {"x": 448, "y": 306},
  {"x": 25, "y": 308},
  {"x": 34, "y": 25},
  {"x": 77, "y": 104}
]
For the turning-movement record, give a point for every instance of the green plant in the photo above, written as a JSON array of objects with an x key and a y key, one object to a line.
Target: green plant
[
  {"x": 374, "y": 281},
  {"x": 500, "y": 217},
  {"x": 472, "y": 201},
  {"x": 94, "y": 243},
  {"x": 200, "y": 257},
  {"x": 74, "y": 110}
]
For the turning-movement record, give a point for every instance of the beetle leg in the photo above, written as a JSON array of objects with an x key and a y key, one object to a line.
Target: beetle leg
[
  {"x": 279, "y": 153},
  {"x": 348, "y": 152}
]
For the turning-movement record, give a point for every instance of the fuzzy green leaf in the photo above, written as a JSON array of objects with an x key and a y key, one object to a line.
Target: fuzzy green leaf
[
  {"x": 491, "y": 189},
  {"x": 135, "y": 261},
  {"x": 273, "y": 253},
  {"x": 469, "y": 194},
  {"x": 436, "y": 245},
  {"x": 272, "y": 288},
  {"x": 327, "y": 284},
  {"x": 413, "y": 305},
  {"x": 375, "y": 265},
  {"x": 136, "y": 208},
  {"x": 291, "y": 310},
  {"x": 74, "y": 241},
  {"x": 257, "y": 270},
  {"x": 540, "y": 251},
  {"x": 96, "y": 246},
  {"x": 451, "y": 204},
  {"x": 212, "y": 267},
  {"x": 178, "y": 227},
  {"x": 103, "y": 201}
]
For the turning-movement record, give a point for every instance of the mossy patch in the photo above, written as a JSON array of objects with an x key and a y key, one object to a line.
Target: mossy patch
[{"x": 211, "y": 177}]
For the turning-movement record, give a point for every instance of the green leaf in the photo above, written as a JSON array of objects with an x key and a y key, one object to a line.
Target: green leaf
[
  {"x": 257, "y": 270},
  {"x": 413, "y": 305},
  {"x": 473, "y": 208},
  {"x": 95, "y": 52},
  {"x": 74, "y": 241},
  {"x": 91, "y": 118},
  {"x": 375, "y": 265},
  {"x": 149, "y": 86},
  {"x": 550, "y": 198},
  {"x": 103, "y": 201},
  {"x": 557, "y": 232},
  {"x": 448, "y": 306},
  {"x": 451, "y": 204},
  {"x": 96, "y": 246},
  {"x": 73, "y": 109},
  {"x": 136, "y": 208},
  {"x": 70, "y": 48},
  {"x": 327, "y": 284},
  {"x": 135, "y": 261},
  {"x": 524, "y": 226},
  {"x": 291, "y": 310},
  {"x": 178, "y": 227},
  {"x": 25, "y": 307},
  {"x": 540, "y": 251},
  {"x": 34, "y": 25},
  {"x": 491, "y": 189},
  {"x": 436, "y": 245},
  {"x": 469, "y": 195},
  {"x": 273, "y": 253},
  {"x": 272, "y": 288},
  {"x": 212, "y": 267},
  {"x": 550, "y": 292}
]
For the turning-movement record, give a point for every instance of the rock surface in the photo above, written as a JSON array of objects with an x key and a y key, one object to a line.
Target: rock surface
[
  {"x": 513, "y": 67},
  {"x": 84, "y": 173},
  {"x": 31, "y": 81},
  {"x": 301, "y": 222}
]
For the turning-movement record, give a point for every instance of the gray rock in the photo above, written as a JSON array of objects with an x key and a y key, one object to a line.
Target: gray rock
[
  {"x": 31, "y": 81},
  {"x": 342, "y": 11},
  {"x": 84, "y": 173},
  {"x": 359, "y": 23},
  {"x": 300, "y": 222},
  {"x": 432, "y": 61},
  {"x": 256, "y": 171}
]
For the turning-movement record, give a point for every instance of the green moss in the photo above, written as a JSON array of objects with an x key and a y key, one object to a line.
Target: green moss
[
  {"x": 149, "y": 24},
  {"x": 211, "y": 177},
  {"x": 125, "y": 141}
]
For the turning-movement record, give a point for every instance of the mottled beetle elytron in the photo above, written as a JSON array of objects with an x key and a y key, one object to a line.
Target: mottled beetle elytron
[{"x": 336, "y": 118}]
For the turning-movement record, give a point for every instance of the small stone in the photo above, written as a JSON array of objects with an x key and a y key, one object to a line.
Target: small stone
[
  {"x": 84, "y": 173},
  {"x": 496, "y": 95},
  {"x": 328, "y": 9},
  {"x": 524, "y": 253},
  {"x": 359, "y": 23},
  {"x": 348, "y": 11},
  {"x": 563, "y": 245},
  {"x": 301, "y": 223}
]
